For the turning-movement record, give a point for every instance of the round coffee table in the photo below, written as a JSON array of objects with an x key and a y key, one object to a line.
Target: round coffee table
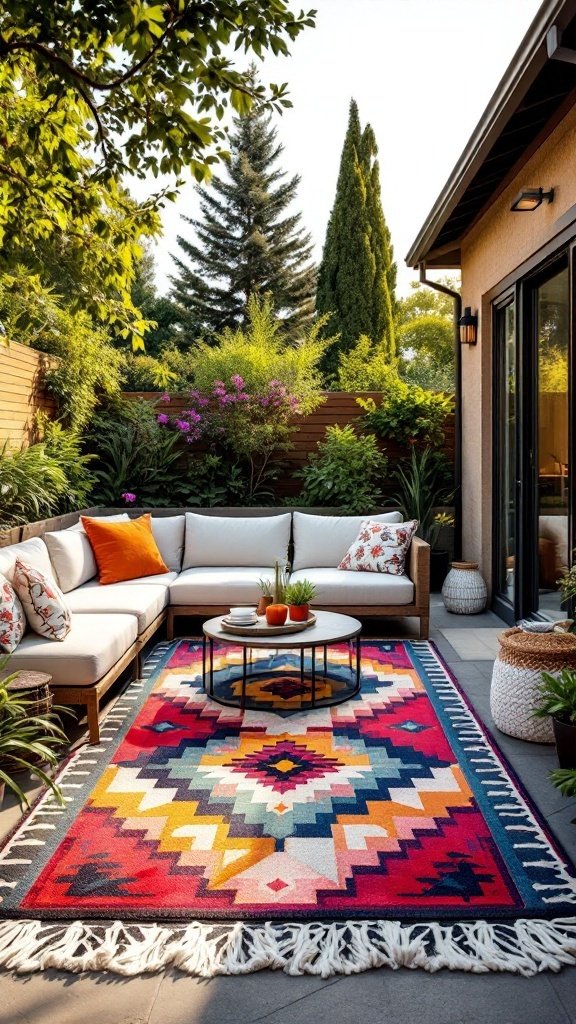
[{"x": 329, "y": 628}]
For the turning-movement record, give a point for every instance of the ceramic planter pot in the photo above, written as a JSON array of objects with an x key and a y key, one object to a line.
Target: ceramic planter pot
[
  {"x": 276, "y": 614},
  {"x": 299, "y": 612},
  {"x": 263, "y": 604},
  {"x": 565, "y": 736},
  {"x": 464, "y": 591}
]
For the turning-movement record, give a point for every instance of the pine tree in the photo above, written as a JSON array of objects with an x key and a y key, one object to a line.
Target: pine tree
[
  {"x": 247, "y": 241},
  {"x": 357, "y": 275}
]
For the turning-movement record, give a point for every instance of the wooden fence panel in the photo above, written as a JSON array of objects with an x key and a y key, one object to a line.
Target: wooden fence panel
[{"x": 22, "y": 373}]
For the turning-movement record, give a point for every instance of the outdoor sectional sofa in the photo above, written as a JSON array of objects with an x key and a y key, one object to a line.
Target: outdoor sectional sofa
[{"x": 215, "y": 559}]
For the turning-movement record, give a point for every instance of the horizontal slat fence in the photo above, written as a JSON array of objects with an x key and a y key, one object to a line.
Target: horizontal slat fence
[
  {"x": 22, "y": 372},
  {"x": 339, "y": 407}
]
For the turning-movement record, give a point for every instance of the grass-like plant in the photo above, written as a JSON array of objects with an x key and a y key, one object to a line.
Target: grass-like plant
[
  {"x": 27, "y": 741},
  {"x": 558, "y": 696},
  {"x": 300, "y": 592},
  {"x": 31, "y": 483}
]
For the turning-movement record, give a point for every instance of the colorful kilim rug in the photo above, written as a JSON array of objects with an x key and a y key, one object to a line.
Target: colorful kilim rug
[{"x": 348, "y": 829}]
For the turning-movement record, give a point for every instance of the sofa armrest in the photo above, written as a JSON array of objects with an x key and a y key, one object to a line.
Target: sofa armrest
[{"x": 419, "y": 570}]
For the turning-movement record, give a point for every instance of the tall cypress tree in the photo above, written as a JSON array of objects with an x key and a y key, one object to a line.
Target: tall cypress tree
[
  {"x": 357, "y": 275},
  {"x": 246, "y": 240}
]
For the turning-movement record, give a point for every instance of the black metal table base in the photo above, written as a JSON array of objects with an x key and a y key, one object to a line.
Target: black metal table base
[{"x": 353, "y": 647}]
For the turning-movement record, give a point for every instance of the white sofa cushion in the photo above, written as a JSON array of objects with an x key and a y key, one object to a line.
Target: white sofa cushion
[
  {"x": 71, "y": 553},
  {"x": 168, "y": 532},
  {"x": 92, "y": 647},
  {"x": 72, "y": 557},
  {"x": 144, "y": 600},
  {"x": 225, "y": 586},
  {"x": 555, "y": 528},
  {"x": 342, "y": 587},
  {"x": 324, "y": 540},
  {"x": 231, "y": 540},
  {"x": 32, "y": 551}
]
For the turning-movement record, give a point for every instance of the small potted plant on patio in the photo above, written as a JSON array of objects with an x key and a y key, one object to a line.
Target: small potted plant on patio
[
  {"x": 27, "y": 742},
  {"x": 266, "y": 595},
  {"x": 298, "y": 596},
  {"x": 423, "y": 486},
  {"x": 558, "y": 700}
]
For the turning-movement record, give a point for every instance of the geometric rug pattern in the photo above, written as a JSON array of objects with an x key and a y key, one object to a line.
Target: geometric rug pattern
[{"x": 394, "y": 804}]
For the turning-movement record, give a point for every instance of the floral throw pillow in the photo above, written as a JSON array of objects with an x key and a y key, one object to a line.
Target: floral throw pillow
[
  {"x": 44, "y": 603},
  {"x": 380, "y": 547},
  {"x": 12, "y": 618}
]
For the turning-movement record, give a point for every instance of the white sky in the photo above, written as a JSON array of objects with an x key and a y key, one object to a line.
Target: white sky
[{"x": 421, "y": 71}]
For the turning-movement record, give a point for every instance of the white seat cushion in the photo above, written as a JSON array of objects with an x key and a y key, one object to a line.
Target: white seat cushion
[
  {"x": 218, "y": 586},
  {"x": 92, "y": 647},
  {"x": 324, "y": 540},
  {"x": 231, "y": 540},
  {"x": 341, "y": 587},
  {"x": 145, "y": 600}
]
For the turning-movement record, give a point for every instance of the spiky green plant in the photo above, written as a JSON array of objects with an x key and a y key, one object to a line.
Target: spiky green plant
[{"x": 300, "y": 592}]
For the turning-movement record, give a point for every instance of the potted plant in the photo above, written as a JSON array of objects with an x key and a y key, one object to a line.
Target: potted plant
[
  {"x": 298, "y": 596},
  {"x": 421, "y": 491},
  {"x": 558, "y": 700},
  {"x": 266, "y": 597},
  {"x": 26, "y": 741}
]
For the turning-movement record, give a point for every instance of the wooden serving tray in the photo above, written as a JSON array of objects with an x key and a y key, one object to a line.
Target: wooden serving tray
[{"x": 261, "y": 628}]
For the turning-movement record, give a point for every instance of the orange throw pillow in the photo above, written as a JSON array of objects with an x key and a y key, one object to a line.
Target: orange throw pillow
[{"x": 124, "y": 551}]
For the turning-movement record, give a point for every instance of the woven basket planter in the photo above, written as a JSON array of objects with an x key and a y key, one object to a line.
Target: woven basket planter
[
  {"x": 464, "y": 591},
  {"x": 517, "y": 675}
]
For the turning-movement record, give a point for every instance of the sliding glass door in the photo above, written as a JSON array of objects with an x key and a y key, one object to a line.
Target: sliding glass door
[{"x": 533, "y": 428}]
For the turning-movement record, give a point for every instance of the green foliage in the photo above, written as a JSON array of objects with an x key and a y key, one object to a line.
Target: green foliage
[
  {"x": 134, "y": 454},
  {"x": 565, "y": 780},
  {"x": 147, "y": 373},
  {"x": 65, "y": 448},
  {"x": 422, "y": 489},
  {"x": 425, "y": 334},
  {"x": 149, "y": 80},
  {"x": 357, "y": 275},
  {"x": 408, "y": 413},
  {"x": 89, "y": 366},
  {"x": 25, "y": 738},
  {"x": 258, "y": 354},
  {"x": 567, "y": 583},
  {"x": 366, "y": 367},
  {"x": 301, "y": 592},
  {"x": 346, "y": 473},
  {"x": 244, "y": 244},
  {"x": 31, "y": 484},
  {"x": 557, "y": 696}
]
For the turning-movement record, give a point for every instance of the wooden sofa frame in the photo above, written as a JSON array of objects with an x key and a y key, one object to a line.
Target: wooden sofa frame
[{"x": 90, "y": 696}]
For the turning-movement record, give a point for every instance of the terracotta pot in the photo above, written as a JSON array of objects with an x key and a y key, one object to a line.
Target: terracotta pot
[
  {"x": 263, "y": 604},
  {"x": 299, "y": 612},
  {"x": 276, "y": 614}
]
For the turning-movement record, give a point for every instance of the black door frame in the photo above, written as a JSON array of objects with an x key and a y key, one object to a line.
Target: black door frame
[{"x": 523, "y": 292}]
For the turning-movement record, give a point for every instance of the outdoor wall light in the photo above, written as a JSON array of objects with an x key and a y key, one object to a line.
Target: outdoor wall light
[
  {"x": 468, "y": 327},
  {"x": 530, "y": 199}
]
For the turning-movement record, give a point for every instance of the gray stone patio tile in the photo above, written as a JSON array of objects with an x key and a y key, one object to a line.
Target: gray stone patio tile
[
  {"x": 404, "y": 997},
  {"x": 564, "y": 985},
  {"x": 240, "y": 1000},
  {"x": 54, "y": 997}
]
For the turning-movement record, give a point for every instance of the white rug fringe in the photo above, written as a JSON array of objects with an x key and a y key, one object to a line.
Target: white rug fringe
[{"x": 342, "y": 947}]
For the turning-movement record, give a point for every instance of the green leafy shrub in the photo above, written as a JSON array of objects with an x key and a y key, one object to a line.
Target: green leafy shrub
[
  {"x": 146, "y": 373},
  {"x": 65, "y": 448},
  {"x": 346, "y": 473},
  {"x": 366, "y": 367},
  {"x": 565, "y": 780},
  {"x": 557, "y": 696},
  {"x": 408, "y": 413},
  {"x": 135, "y": 455},
  {"x": 31, "y": 484}
]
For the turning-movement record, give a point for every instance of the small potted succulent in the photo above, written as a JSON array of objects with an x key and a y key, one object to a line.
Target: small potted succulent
[
  {"x": 298, "y": 596},
  {"x": 266, "y": 596},
  {"x": 558, "y": 700},
  {"x": 27, "y": 742}
]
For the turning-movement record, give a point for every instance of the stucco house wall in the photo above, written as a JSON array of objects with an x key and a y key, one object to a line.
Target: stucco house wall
[{"x": 495, "y": 246}]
